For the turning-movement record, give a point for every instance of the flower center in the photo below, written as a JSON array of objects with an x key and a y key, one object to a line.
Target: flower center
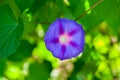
[{"x": 64, "y": 39}]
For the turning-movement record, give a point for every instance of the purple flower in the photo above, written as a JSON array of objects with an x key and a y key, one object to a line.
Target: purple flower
[{"x": 65, "y": 39}]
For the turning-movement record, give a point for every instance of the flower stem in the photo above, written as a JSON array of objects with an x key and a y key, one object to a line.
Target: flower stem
[
  {"x": 83, "y": 14},
  {"x": 42, "y": 23}
]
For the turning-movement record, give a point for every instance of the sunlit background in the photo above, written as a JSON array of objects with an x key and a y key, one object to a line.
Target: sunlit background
[{"x": 100, "y": 59}]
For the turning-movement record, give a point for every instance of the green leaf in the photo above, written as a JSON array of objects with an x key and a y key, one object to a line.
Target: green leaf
[
  {"x": 39, "y": 71},
  {"x": 76, "y": 7},
  {"x": 37, "y": 4},
  {"x": 108, "y": 12},
  {"x": 105, "y": 11},
  {"x": 24, "y": 4},
  {"x": 2, "y": 66},
  {"x": 10, "y": 31},
  {"x": 23, "y": 51}
]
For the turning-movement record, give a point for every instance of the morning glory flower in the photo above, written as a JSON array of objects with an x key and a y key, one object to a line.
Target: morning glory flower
[{"x": 65, "y": 39}]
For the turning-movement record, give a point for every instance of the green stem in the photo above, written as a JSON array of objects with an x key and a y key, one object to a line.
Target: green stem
[{"x": 88, "y": 10}]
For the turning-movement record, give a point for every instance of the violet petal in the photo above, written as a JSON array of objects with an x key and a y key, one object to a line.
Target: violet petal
[{"x": 73, "y": 43}]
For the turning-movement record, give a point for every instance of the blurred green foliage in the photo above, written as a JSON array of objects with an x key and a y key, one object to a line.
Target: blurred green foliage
[{"x": 23, "y": 55}]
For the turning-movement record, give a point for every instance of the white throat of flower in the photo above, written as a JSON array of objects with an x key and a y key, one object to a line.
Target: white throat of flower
[{"x": 64, "y": 39}]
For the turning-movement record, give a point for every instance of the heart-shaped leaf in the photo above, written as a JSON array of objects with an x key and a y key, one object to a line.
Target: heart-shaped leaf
[{"x": 10, "y": 31}]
